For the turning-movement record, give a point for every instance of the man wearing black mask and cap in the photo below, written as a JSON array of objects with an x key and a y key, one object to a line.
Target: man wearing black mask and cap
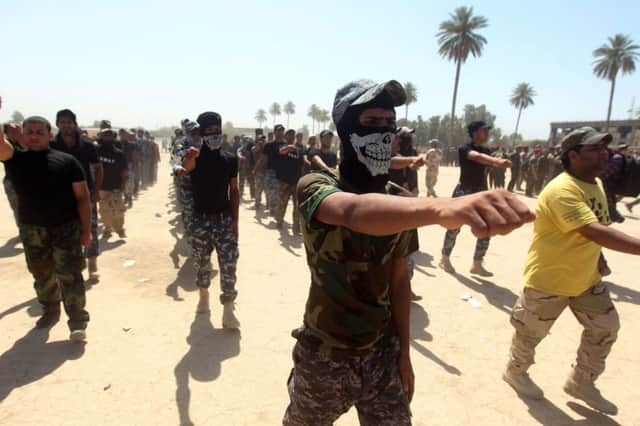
[
  {"x": 406, "y": 177},
  {"x": 474, "y": 158},
  {"x": 353, "y": 348},
  {"x": 216, "y": 198}
]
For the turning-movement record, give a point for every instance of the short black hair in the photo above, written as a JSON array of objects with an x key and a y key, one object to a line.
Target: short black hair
[
  {"x": 566, "y": 163},
  {"x": 65, "y": 113},
  {"x": 37, "y": 119}
]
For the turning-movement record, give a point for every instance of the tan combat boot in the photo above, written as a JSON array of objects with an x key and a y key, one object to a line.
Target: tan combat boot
[
  {"x": 478, "y": 269},
  {"x": 580, "y": 385},
  {"x": 229, "y": 319},
  {"x": 203, "y": 303},
  {"x": 522, "y": 383},
  {"x": 445, "y": 264}
]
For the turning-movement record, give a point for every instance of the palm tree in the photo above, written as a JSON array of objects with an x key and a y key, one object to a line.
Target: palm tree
[
  {"x": 323, "y": 117},
  {"x": 457, "y": 38},
  {"x": 521, "y": 98},
  {"x": 289, "y": 109},
  {"x": 619, "y": 54},
  {"x": 275, "y": 111},
  {"x": 313, "y": 114},
  {"x": 261, "y": 116},
  {"x": 412, "y": 96}
]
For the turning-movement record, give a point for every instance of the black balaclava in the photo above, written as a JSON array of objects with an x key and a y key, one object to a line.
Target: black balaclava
[
  {"x": 212, "y": 141},
  {"x": 365, "y": 152}
]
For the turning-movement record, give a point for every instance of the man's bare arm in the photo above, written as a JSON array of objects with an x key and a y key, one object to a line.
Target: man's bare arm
[
  {"x": 486, "y": 213},
  {"x": 6, "y": 149},
  {"x": 611, "y": 238},
  {"x": 234, "y": 197},
  {"x": 83, "y": 202},
  {"x": 488, "y": 160}
]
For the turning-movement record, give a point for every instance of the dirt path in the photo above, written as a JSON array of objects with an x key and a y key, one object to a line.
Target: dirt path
[{"x": 150, "y": 361}]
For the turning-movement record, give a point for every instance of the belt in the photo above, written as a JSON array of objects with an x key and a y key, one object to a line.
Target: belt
[{"x": 215, "y": 216}]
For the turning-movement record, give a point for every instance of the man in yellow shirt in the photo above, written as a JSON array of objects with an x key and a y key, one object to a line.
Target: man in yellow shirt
[{"x": 562, "y": 270}]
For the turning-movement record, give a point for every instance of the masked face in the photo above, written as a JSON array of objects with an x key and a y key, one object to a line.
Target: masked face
[
  {"x": 374, "y": 150},
  {"x": 213, "y": 142}
]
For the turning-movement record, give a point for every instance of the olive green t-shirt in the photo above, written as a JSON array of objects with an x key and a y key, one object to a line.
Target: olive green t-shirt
[{"x": 348, "y": 308}]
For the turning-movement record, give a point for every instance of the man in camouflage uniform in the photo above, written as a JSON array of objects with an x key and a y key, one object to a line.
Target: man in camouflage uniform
[
  {"x": 571, "y": 224},
  {"x": 54, "y": 221},
  {"x": 433, "y": 157},
  {"x": 258, "y": 172},
  {"x": 267, "y": 163},
  {"x": 288, "y": 168},
  {"x": 532, "y": 172},
  {"x": 353, "y": 349},
  {"x": 185, "y": 190},
  {"x": 216, "y": 199}
]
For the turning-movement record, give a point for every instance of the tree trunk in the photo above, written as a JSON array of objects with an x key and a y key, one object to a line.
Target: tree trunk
[
  {"x": 406, "y": 112},
  {"x": 287, "y": 120},
  {"x": 453, "y": 103},
  {"x": 613, "y": 88},
  {"x": 515, "y": 134}
]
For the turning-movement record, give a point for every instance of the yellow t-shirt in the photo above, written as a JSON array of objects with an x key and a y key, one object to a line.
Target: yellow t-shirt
[{"x": 561, "y": 261}]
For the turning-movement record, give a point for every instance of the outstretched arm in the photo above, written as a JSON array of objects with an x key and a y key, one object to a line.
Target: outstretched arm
[
  {"x": 610, "y": 238},
  {"x": 488, "y": 160},
  {"x": 487, "y": 213}
]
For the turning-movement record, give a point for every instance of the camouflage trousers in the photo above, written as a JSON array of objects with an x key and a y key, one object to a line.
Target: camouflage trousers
[
  {"x": 94, "y": 249},
  {"x": 270, "y": 188},
  {"x": 245, "y": 176},
  {"x": 282, "y": 194},
  {"x": 322, "y": 387},
  {"x": 259, "y": 188},
  {"x": 112, "y": 210},
  {"x": 186, "y": 197},
  {"x": 54, "y": 258},
  {"x": 431, "y": 180},
  {"x": 12, "y": 197},
  {"x": 535, "y": 313},
  {"x": 482, "y": 244},
  {"x": 209, "y": 232}
]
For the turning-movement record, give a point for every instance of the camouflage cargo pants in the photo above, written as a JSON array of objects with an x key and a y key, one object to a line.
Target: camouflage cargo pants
[
  {"x": 283, "y": 193},
  {"x": 431, "y": 180},
  {"x": 482, "y": 244},
  {"x": 93, "y": 250},
  {"x": 186, "y": 195},
  {"x": 322, "y": 388},
  {"x": 209, "y": 232},
  {"x": 270, "y": 192},
  {"x": 54, "y": 258},
  {"x": 535, "y": 313},
  {"x": 112, "y": 210},
  {"x": 245, "y": 176},
  {"x": 259, "y": 188}
]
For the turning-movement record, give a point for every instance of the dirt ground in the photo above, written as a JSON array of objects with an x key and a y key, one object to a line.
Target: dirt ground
[{"x": 150, "y": 360}]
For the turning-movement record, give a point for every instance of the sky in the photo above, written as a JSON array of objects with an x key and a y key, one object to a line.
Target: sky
[{"x": 152, "y": 63}]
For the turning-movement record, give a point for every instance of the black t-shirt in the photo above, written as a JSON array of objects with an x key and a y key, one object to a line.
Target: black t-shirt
[
  {"x": 471, "y": 173},
  {"x": 406, "y": 177},
  {"x": 289, "y": 167},
  {"x": 210, "y": 180},
  {"x": 114, "y": 162},
  {"x": 84, "y": 151},
  {"x": 247, "y": 152},
  {"x": 330, "y": 158},
  {"x": 272, "y": 151},
  {"x": 43, "y": 181}
]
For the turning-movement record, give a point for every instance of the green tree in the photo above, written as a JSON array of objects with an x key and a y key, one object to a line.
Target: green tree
[
  {"x": 323, "y": 117},
  {"x": 275, "y": 111},
  {"x": 457, "y": 39},
  {"x": 412, "y": 96},
  {"x": 228, "y": 128},
  {"x": 313, "y": 113},
  {"x": 521, "y": 98},
  {"x": 620, "y": 54},
  {"x": 17, "y": 117},
  {"x": 261, "y": 116},
  {"x": 304, "y": 130},
  {"x": 289, "y": 109}
]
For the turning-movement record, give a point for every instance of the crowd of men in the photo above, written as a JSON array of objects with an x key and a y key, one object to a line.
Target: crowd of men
[
  {"x": 61, "y": 189},
  {"x": 357, "y": 212}
]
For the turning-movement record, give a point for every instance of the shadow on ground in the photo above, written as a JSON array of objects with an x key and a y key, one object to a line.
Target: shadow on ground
[
  {"x": 547, "y": 413},
  {"x": 10, "y": 248},
  {"x": 209, "y": 347},
  {"x": 623, "y": 294},
  {"x": 500, "y": 297},
  {"x": 418, "y": 331},
  {"x": 31, "y": 358}
]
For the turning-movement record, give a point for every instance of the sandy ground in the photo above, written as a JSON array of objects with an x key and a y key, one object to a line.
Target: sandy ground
[{"x": 150, "y": 360}]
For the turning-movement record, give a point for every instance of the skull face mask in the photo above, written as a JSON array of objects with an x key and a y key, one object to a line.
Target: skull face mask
[
  {"x": 213, "y": 142},
  {"x": 374, "y": 151}
]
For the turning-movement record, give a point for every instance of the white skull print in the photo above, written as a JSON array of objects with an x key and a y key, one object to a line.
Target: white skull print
[{"x": 374, "y": 151}]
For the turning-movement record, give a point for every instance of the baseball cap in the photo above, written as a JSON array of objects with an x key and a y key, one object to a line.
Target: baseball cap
[
  {"x": 326, "y": 133},
  {"x": 434, "y": 142},
  {"x": 363, "y": 91},
  {"x": 583, "y": 136},
  {"x": 477, "y": 125},
  {"x": 404, "y": 131},
  {"x": 192, "y": 126},
  {"x": 278, "y": 127}
]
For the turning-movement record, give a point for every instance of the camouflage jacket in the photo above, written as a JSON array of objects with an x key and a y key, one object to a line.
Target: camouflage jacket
[{"x": 348, "y": 309}]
